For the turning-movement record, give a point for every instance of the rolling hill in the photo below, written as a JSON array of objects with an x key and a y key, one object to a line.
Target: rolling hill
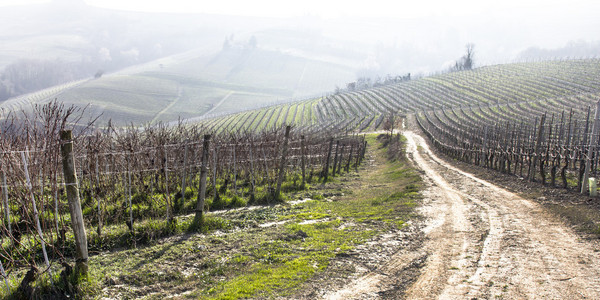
[
  {"x": 491, "y": 94},
  {"x": 231, "y": 80}
]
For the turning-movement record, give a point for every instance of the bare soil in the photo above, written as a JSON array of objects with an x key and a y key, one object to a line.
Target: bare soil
[
  {"x": 384, "y": 267},
  {"x": 486, "y": 242},
  {"x": 481, "y": 241},
  {"x": 474, "y": 240}
]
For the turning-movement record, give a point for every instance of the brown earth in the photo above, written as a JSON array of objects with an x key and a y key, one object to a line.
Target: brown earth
[
  {"x": 475, "y": 240},
  {"x": 483, "y": 241}
]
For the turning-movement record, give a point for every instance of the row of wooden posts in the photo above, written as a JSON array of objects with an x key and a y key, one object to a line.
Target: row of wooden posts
[
  {"x": 72, "y": 187},
  {"x": 71, "y": 183},
  {"x": 536, "y": 147}
]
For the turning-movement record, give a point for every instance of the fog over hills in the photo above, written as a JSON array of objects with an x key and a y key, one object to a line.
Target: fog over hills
[{"x": 256, "y": 60}]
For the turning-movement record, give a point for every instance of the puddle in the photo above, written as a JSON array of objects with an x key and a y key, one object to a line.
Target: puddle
[
  {"x": 271, "y": 224},
  {"x": 313, "y": 221},
  {"x": 299, "y": 201}
]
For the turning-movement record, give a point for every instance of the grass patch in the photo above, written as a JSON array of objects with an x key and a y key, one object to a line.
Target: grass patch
[{"x": 235, "y": 258}]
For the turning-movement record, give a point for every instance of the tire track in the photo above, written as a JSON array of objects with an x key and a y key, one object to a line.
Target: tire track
[
  {"x": 511, "y": 247},
  {"x": 482, "y": 242},
  {"x": 179, "y": 93},
  {"x": 454, "y": 244}
]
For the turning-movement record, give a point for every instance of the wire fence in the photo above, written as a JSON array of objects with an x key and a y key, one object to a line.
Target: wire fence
[
  {"x": 560, "y": 148},
  {"x": 125, "y": 176}
]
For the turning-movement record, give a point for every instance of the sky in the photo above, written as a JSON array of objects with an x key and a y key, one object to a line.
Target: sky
[
  {"x": 573, "y": 10},
  {"x": 499, "y": 29},
  {"x": 278, "y": 8},
  {"x": 371, "y": 8}
]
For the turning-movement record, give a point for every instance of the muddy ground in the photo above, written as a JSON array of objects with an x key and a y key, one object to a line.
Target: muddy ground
[
  {"x": 479, "y": 240},
  {"x": 474, "y": 238}
]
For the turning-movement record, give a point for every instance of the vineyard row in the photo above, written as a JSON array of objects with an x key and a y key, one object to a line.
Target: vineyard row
[
  {"x": 130, "y": 177},
  {"x": 557, "y": 149}
]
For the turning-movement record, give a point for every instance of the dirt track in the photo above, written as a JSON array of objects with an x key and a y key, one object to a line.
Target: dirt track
[{"x": 484, "y": 242}]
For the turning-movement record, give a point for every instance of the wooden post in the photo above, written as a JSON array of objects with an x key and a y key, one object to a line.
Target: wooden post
[
  {"x": 262, "y": 149},
  {"x": 129, "y": 195},
  {"x": 252, "y": 175},
  {"x": 326, "y": 168},
  {"x": 5, "y": 201},
  {"x": 167, "y": 193},
  {"x": 349, "y": 158},
  {"x": 484, "y": 147},
  {"x": 567, "y": 153},
  {"x": 97, "y": 193},
  {"x": 202, "y": 189},
  {"x": 583, "y": 144},
  {"x": 335, "y": 158},
  {"x": 5, "y": 278},
  {"x": 234, "y": 168},
  {"x": 363, "y": 151},
  {"x": 570, "y": 129},
  {"x": 214, "y": 179},
  {"x": 358, "y": 152},
  {"x": 591, "y": 146},
  {"x": 36, "y": 214},
  {"x": 303, "y": 161},
  {"x": 81, "y": 250},
  {"x": 518, "y": 150},
  {"x": 538, "y": 148},
  {"x": 184, "y": 175},
  {"x": 546, "y": 158},
  {"x": 56, "y": 202},
  {"x": 282, "y": 163},
  {"x": 341, "y": 159},
  {"x": 557, "y": 157}
]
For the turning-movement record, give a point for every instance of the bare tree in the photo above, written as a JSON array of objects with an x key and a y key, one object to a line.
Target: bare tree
[
  {"x": 466, "y": 62},
  {"x": 468, "y": 58}
]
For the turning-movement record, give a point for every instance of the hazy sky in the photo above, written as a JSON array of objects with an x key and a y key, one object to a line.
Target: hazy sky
[
  {"x": 330, "y": 8},
  {"x": 573, "y": 10},
  {"x": 500, "y": 29},
  {"x": 377, "y": 8}
]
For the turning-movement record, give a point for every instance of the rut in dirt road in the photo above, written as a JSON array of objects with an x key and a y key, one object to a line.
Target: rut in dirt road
[{"x": 485, "y": 242}]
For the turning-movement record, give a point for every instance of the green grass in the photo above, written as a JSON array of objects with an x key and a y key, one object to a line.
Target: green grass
[
  {"x": 282, "y": 266},
  {"x": 281, "y": 269},
  {"x": 192, "y": 87},
  {"x": 243, "y": 260}
]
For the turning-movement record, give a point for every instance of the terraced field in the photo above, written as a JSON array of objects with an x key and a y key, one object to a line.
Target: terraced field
[
  {"x": 533, "y": 120},
  {"x": 42, "y": 96},
  {"x": 491, "y": 95}
]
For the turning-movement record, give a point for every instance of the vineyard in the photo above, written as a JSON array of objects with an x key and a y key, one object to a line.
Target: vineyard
[
  {"x": 25, "y": 101},
  {"x": 511, "y": 118},
  {"x": 512, "y": 89},
  {"x": 553, "y": 142},
  {"x": 535, "y": 120},
  {"x": 132, "y": 179}
]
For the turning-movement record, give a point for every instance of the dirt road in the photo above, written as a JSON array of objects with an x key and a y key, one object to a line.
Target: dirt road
[{"x": 482, "y": 241}]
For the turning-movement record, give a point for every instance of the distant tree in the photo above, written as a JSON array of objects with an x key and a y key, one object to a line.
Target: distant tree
[
  {"x": 466, "y": 62},
  {"x": 226, "y": 44},
  {"x": 28, "y": 75},
  {"x": 252, "y": 43},
  {"x": 351, "y": 86},
  {"x": 389, "y": 123},
  {"x": 337, "y": 90},
  {"x": 468, "y": 57},
  {"x": 4, "y": 91},
  {"x": 98, "y": 74},
  {"x": 363, "y": 83}
]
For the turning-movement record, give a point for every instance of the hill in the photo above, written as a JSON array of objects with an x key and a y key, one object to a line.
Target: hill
[
  {"x": 497, "y": 93},
  {"x": 181, "y": 70},
  {"x": 228, "y": 81}
]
